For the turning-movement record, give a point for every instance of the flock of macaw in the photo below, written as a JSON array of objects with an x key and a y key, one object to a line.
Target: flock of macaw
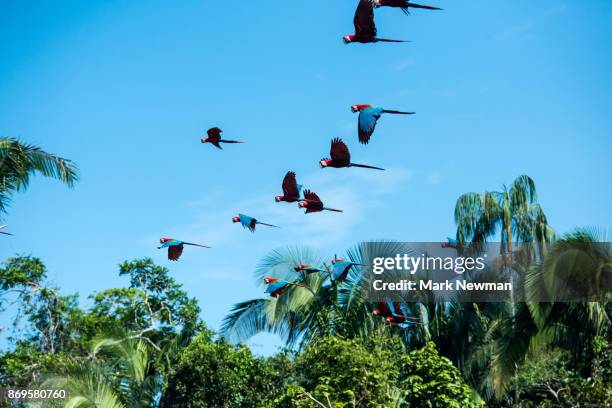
[{"x": 340, "y": 157}]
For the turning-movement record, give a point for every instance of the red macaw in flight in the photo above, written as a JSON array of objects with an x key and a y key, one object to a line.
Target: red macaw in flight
[
  {"x": 4, "y": 233},
  {"x": 250, "y": 222},
  {"x": 214, "y": 137},
  {"x": 175, "y": 247},
  {"x": 368, "y": 117},
  {"x": 308, "y": 269},
  {"x": 277, "y": 287},
  {"x": 393, "y": 313},
  {"x": 291, "y": 189},
  {"x": 365, "y": 27},
  {"x": 312, "y": 203},
  {"x": 341, "y": 157}
]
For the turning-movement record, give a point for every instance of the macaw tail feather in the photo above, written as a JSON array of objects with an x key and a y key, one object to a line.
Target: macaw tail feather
[
  {"x": 389, "y": 40},
  {"x": 230, "y": 141},
  {"x": 332, "y": 209},
  {"x": 365, "y": 166},
  {"x": 398, "y": 112},
  {"x": 198, "y": 245},
  {"x": 267, "y": 225},
  {"x": 421, "y": 6}
]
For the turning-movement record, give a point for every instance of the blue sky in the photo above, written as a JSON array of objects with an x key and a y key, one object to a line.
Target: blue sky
[{"x": 126, "y": 89}]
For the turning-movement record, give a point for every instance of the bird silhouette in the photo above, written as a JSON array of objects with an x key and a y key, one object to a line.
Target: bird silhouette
[
  {"x": 341, "y": 157},
  {"x": 312, "y": 203},
  {"x": 214, "y": 138}
]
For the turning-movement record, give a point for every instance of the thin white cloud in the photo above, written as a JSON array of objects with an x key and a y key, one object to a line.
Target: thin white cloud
[
  {"x": 403, "y": 64},
  {"x": 356, "y": 191}
]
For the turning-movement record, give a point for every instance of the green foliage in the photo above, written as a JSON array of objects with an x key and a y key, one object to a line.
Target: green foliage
[
  {"x": 153, "y": 301},
  {"x": 547, "y": 379},
  {"x": 346, "y": 372},
  {"x": 217, "y": 374},
  {"x": 117, "y": 373},
  {"x": 19, "y": 161},
  {"x": 430, "y": 380}
]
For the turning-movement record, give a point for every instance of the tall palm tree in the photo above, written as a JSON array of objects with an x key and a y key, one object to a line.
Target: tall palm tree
[
  {"x": 19, "y": 161},
  {"x": 513, "y": 212},
  {"x": 116, "y": 374},
  {"x": 576, "y": 260}
]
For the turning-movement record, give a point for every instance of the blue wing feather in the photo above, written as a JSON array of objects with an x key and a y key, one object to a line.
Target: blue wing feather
[
  {"x": 367, "y": 122},
  {"x": 274, "y": 286},
  {"x": 340, "y": 268},
  {"x": 245, "y": 220}
]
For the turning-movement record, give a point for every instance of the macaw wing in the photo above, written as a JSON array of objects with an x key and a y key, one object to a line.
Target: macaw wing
[
  {"x": 364, "y": 19},
  {"x": 175, "y": 252},
  {"x": 340, "y": 270},
  {"x": 339, "y": 152},
  {"x": 290, "y": 186},
  {"x": 245, "y": 220},
  {"x": 214, "y": 132},
  {"x": 276, "y": 286},
  {"x": 452, "y": 241},
  {"x": 311, "y": 196},
  {"x": 367, "y": 123},
  {"x": 384, "y": 308},
  {"x": 400, "y": 309}
]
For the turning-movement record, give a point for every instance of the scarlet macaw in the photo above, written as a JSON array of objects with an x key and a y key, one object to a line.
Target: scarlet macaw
[
  {"x": 214, "y": 137},
  {"x": 4, "y": 233},
  {"x": 307, "y": 269},
  {"x": 277, "y": 287},
  {"x": 368, "y": 117},
  {"x": 394, "y": 312},
  {"x": 451, "y": 243},
  {"x": 175, "y": 247},
  {"x": 365, "y": 27},
  {"x": 250, "y": 222},
  {"x": 341, "y": 157},
  {"x": 341, "y": 268},
  {"x": 291, "y": 189},
  {"x": 312, "y": 203}
]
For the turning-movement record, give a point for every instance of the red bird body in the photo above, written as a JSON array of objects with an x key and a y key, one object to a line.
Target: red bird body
[
  {"x": 341, "y": 157},
  {"x": 392, "y": 313},
  {"x": 365, "y": 27},
  {"x": 214, "y": 138},
  {"x": 291, "y": 189},
  {"x": 312, "y": 203}
]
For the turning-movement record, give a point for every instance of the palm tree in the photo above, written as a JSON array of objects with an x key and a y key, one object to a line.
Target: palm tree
[
  {"x": 19, "y": 161},
  {"x": 116, "y": 374},
  {"x": 513, "y": 212},
  {"x": 321, "y": 307},
  {"x": 568, "y": 270}
]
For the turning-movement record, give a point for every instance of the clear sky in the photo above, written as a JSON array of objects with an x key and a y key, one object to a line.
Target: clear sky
[{"x": 126, "y": 89}]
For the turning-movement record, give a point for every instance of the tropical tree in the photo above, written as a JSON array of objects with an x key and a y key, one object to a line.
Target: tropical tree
[
  {"x": 19, "y": 161},
  {"x": 577, "y": 326},
  {"x": 320, "y": 306},
  {"x": 513, "y": 213},
  {"x": 118, "y": 373},
  {"x": 211, "y": 373}
]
